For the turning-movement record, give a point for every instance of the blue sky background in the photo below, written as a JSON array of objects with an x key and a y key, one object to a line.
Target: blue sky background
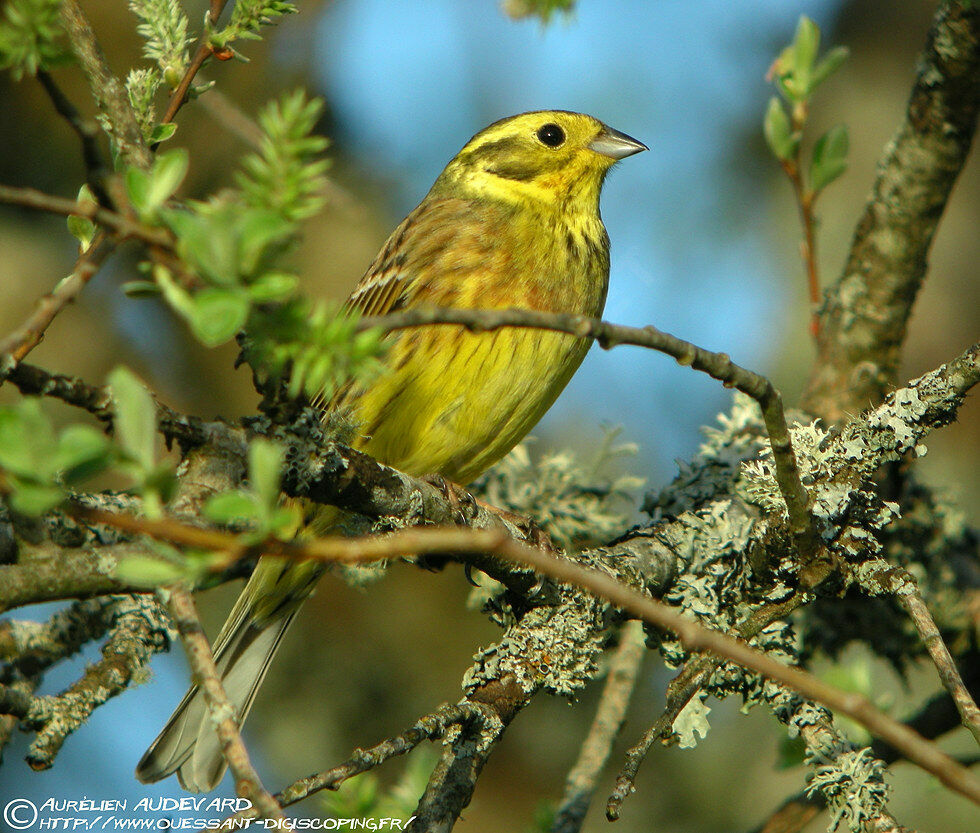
[{"x": 411, "y": 82}]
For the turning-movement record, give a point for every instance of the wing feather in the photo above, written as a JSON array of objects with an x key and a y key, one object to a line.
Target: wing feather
[{"x": 416, "y": 249}]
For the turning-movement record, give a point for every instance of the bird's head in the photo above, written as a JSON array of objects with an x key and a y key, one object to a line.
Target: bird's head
[{"x": 550, "y": 156}]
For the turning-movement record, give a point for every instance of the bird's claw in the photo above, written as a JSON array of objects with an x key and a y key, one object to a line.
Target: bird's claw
[{"x": 455, "y": 495}]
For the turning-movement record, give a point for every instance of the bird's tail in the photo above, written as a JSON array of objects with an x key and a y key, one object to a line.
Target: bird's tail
[{"x": 188, "y": 744}]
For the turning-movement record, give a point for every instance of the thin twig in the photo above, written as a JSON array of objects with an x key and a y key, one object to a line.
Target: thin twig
[
  {"x": 26, "y": 337},
  {"x": 247, "y": 783},
  {"x": 900, "y": 583},
  {"x": 204, "y": 51},
  {"x": 332, "y": 548},
  {"x": 429, "y": 727},
  {"x": 32, "y": 380},
  {"x": 808, "y": 245},
  {"x": 123, "y": 226},
  {"x": 88, "y": 133},
  {"x": 717, "y": 365},
  {"x": 624, "y": 667},
  {"x": 911, "y": 599}
]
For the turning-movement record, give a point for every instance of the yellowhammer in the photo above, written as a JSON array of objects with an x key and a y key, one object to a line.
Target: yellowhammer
[{"x": 513, "y": 221}]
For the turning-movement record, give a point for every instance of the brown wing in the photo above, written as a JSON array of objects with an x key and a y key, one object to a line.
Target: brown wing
[{"x": 394, "y": 280}]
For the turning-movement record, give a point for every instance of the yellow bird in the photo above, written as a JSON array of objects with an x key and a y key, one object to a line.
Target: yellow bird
[{"x": 513, "y": 221}]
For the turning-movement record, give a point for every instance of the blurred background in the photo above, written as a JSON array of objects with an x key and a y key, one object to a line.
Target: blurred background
[{"x": 705, "y": 245}]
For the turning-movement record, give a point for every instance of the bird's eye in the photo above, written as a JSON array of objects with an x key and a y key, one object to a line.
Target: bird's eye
[{"x": 551, "y": 135}]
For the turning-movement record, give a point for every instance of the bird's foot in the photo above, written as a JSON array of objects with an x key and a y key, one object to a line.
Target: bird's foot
[
  {"x": 456, "y": 495},
  {"x": 458, "y": 498},
  {"x": 534, "y": 534}
]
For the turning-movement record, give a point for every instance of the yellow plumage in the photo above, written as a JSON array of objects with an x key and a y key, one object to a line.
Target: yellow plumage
[{"x": 513, "y": 221}]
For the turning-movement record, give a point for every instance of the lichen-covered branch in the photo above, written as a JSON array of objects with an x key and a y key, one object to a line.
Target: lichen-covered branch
[
  {"x": 136, "y": 632},
  {"x": 428, "y": 727},
  {"x": 580, "y": 785},
  {"x": 109, "y": 93},
  {"x": 937, "y": 717},
  {"x": 865, "y": 314}
]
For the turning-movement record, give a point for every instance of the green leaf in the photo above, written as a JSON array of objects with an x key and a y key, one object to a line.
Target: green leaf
[
  {"x": 231, "y": 507},
  {"x": 162, "y": 132},
  {"x": 35, "y": 498},
  {"x": 781, "y": 140},
  {"x": 217, "y": 314},
  {"x": 148, "y": 191},
  {"x": 27, "y": 440},
  {"x": 138, "y": 189},
  {"x": 207, "y": 238},
  {"x": 265, "y": 461},
  {"x": 82, "y": 452},
  {"x": 82, "y": 228},
  {"x": 806, "y": 44},
  {"x": 173, "y": 293},
  {"x": 829, "y": 157},
  {"x": 136, "y": 418},
  {"x": 169, "y": 170},
  {"x": 259, "y": 229},
  {"x": 141, "y": 289},
  {"x": 149, "y": 570},
  {"x": 831, "y": 62},
  {"x": 273, "y": 287}
]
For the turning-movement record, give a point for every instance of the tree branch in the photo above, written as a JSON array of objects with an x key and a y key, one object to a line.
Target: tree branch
[
  {"x": 247, "y": 783},
  {"x": 624, "y": 667},
  {"x": 693, "y": 636},
  {"x": 26, "y": 337},
  {"x": 179, "y": 96},
  {"x": 865, "y": 314},
  {"x": 717, "y": 365},
  {"x": 109, "y": 93},
  {"x": 429, "y": 727},
  {"x": 137, "y": 632},
  {"x": 934, "y": 719},
  {"x": 123, "y": 226}
]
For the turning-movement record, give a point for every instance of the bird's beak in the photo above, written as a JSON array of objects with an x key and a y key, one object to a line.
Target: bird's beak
[{"x": 615, "y": 145}]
